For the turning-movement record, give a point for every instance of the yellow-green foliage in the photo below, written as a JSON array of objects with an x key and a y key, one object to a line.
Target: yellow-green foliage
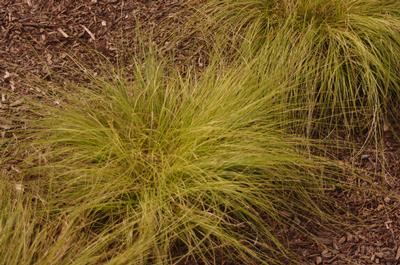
[
  {"x": 15, "y": 228},
  {"x": 342, "y": 56},
  {"x": 163, "y": 169},
  {"x": 21, "y": 238}
]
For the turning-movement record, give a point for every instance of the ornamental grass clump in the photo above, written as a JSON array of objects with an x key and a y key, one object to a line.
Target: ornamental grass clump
[
  {"x": 15, "y": 228},
  {"x": 165, "y": 169},
  {"x": 343, "y": 57},
  {"x": 20, "y": 238},
  {"x": 25, "y": 235}
]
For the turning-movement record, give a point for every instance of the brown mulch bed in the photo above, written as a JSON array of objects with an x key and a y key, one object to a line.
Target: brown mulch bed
[
  {"x": 38, "y": 37},
  {"x": 377, "y": 241}
]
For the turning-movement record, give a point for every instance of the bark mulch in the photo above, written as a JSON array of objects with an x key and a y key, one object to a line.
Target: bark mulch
[
  {"x": 377, "y": 241},
  {"x": 38, "y": 37}
]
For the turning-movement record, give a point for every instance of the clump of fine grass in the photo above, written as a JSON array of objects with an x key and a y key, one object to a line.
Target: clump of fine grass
[
  {"x": 17, "y": 226},
  {"x": 25, "y": 235},
  {"x": 163, "y": 169},
  {"x": 341, "y": 56}
]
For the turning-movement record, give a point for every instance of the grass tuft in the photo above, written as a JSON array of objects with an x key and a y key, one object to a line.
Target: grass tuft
[
  {"x": 161, "y": 169},
  {"x": 22, "y": 239},
  {"x": 341, "y": 56}
]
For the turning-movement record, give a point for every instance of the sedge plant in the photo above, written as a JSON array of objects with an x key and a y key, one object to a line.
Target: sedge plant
[
  {"x": 26, "y": 235},
  {"x": 342, "y": 56},
  {"x": 157, "y": 168},
  {"x": 29, "y": 235},
  {"x": 19, "y": 229}
]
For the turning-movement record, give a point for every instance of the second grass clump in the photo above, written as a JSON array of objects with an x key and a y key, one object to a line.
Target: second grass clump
[{"x": 342, "y": 56}]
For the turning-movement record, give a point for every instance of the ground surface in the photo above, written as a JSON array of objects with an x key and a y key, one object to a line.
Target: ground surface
[{"x": 37, "y": 37}]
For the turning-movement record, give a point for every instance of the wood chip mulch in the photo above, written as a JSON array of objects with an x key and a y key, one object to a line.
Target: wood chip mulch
[{"x": 377, "y": 241}]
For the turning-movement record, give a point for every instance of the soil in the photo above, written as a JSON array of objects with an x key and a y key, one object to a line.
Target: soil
[{"x": 39, "y": 38}]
